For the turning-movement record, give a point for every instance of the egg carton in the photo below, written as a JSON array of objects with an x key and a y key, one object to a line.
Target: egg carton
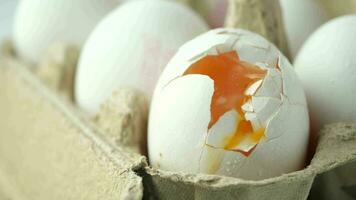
[{"x": 50, "y": 150}]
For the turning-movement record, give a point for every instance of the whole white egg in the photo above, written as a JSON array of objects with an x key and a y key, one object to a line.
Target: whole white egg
[
  {"x": 229, "y": 103},
  {"x": 130, "y": 48},
  {"x": 326, "y": 65},
  {"x": 39, "y": 24},
  {"x": 301, "y": 18}
]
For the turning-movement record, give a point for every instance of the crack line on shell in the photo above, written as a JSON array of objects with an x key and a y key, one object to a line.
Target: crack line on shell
[
  {"x": 243, "y": 160},
  {"x": 298, "y": 104},
  {"x": 266, "y": 49},
  {"x": 273, "y": 115},
  {"x": 217, "y": 49},
  {"x": 208, "y": 51},
  {"x": 169, "y": 82},
  {"x": 233, "y": 44},
  {"x": 234, "y": 151},
  {"x": 267, "y": 97},
  {"x": 198, "y": 56},
  {"x": 202, "y": 149},
  {"x": 263, "y": 81},
  {"x": 272, "y": 98},
  {"x": 277, "y": 67},
  {"x": 228, "y": 32},
  {"x": 294, "y": 103}
]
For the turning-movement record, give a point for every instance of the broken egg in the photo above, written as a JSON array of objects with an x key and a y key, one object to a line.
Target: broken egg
[
  {"x": 229, "y": 103},
  {"x": 326, "y": 65},
  {"x": 130, "y": 47},
  {"x": 40, "y": 24}
]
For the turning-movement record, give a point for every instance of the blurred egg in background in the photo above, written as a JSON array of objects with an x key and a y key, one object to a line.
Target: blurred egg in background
[
  {"x": 130, "y": 48},
  {"x": 39, "y": 24},
  {"x": 301, "y": 18},
  {"x": 7, "y": 10},
  {"x": 326, "y": 65}
]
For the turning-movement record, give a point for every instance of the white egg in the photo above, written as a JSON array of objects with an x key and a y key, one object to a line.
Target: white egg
[
  {"x": 7, "y": 9},
  {"x": 229, "y": 103},
  {"x": 301, "y": 18},
  {"x": 130, "y": 48},
  {"x": 39, "y": 24},
  {"x": 326, "y": 65}
]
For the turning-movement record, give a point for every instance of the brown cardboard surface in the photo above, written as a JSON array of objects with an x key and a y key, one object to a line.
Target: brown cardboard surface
[
  {"x": 167, "y": 185},
  {"x": 260, "y": 16},
  {"x": 123, "y": 119},
  {"x": 336, "y": 147},
  {"x": 335, "y": 8},
  {"x": 7, "y": 191},
  {"x": 334, "y": 163},
  {"x": 47, "y": 152},
  {"x": 57, "y": 68},
  {"x": 336, "y": 184}
]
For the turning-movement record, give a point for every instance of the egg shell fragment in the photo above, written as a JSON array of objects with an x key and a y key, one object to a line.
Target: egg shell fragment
[
  {"x": 271, "y": 85},
  {"x": 223, "y": 129},
  {"x": 179, "y": 115},
  {"x": 265, "y": 107},
  {"x": 130, "y": 47}
]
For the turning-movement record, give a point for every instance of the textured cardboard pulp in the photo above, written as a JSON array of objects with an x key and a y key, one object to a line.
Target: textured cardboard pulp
[{"x": 50, "y": 150}]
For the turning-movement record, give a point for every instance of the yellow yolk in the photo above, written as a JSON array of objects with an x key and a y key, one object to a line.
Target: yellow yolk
[{"x": 231, "y": 78}]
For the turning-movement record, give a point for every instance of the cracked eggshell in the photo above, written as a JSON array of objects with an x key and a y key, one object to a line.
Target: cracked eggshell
[
  {"x": 39, "y": 24},
  {"x": 130, "y": 48},
  {"x": 183, "y": 144},
  {"x": 326, "y": 66},
  {"x": 179, "y": 138},
  {"x": 301, "y": 18}
]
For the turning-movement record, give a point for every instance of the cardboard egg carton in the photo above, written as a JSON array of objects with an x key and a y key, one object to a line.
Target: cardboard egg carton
[{"x": 49, "y": 149}]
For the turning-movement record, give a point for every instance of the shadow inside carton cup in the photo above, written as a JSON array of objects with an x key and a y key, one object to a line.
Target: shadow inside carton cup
[{"x": 339, "y": 183}]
